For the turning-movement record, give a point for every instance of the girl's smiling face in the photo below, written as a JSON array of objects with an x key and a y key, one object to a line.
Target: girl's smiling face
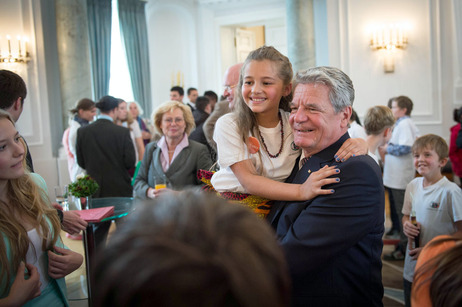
[
  {"x": 262, "y": 89},
  {"x": 11, "y": 151}
]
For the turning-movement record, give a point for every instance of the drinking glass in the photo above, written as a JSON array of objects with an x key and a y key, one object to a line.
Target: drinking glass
[
  {"x": 61, "y": 195},
  {"x": 160, "y": 183}
]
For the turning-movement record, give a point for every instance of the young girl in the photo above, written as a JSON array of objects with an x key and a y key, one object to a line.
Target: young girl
[
  {"x": 32, "y": 261},
  {"x": 260, "y": 119}
]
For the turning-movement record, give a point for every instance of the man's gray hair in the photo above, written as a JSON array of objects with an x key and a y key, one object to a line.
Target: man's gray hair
[{"x": 341, "y": 91}]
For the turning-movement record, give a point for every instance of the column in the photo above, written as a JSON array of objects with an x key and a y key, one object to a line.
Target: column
[
  {"x": 300, "y": 34},
  {"x": 74, "y": 59},
  {"x": 458, "y": 51}
]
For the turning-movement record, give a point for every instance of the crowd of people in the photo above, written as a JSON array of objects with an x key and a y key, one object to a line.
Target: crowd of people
[{"x": 288, "y": 146}]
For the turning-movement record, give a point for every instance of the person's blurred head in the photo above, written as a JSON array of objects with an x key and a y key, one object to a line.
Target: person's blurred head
[
  {"x": 203, "y": 104},
  {"x": 177, "y": 93},
  {"x": 13, "y": 91},
  {"x": 135, "y": 109},
  {"x": 192, "y": 249},
  {"x": 192, "y": 94},
  {"x": 401, "y": 106},
  {"x": 212, "y": 96},
  {"x": 122, "y": 110},
  {"x": 172, "y": 119},
  {"x": 378, "y": 119},
  {"x": 458, "y": 115},
  {"x": 230, "y": 81},
  {"x": 109, "y": 105},
  {"x": 85, "y": 109},
  {"x": 354, "y": 117}
]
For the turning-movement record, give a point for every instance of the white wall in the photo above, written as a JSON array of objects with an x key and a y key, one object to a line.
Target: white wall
[
  {"x": 419, "y": 71},
  {"x": 23, "y": 18}
]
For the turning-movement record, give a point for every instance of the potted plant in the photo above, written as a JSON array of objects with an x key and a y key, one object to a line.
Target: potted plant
[{"x": 83, "y": 188}]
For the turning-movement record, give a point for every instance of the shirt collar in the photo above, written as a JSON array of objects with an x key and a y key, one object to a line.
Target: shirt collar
[
  {"x": 327, "y": 154},
  {"x": 104, "y": 116}
]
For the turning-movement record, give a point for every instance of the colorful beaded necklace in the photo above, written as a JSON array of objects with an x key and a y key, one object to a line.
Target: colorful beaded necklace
[{"x": 282, "y": 140}]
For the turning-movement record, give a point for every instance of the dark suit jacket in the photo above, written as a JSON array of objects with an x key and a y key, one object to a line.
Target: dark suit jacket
[
  {"x": 106, "y": 152},
  {"x": 333, "y": 243},
  {"x": 181, "y": 173},
  {"x": 221, "y": 108}
]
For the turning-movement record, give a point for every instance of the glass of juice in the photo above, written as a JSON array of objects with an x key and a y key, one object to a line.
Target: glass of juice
[{"x": 160, "y": 183}]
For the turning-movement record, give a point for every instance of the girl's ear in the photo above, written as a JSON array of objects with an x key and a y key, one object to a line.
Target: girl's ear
[{"x": 287, "y": 89}]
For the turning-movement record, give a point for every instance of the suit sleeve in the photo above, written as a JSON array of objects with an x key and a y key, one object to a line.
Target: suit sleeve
[
  {"x": 330, "y": 225},
  {"x": 141, "y": 181},
  {"x": 78, "y": 149},
  {"x": 221, "y": 108},
  {"x": 129, "y": 151}
]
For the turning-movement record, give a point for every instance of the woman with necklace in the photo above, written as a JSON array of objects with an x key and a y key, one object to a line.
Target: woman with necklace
[
  {"x": 173, "y": 160},
  {"x": 256, "y": 152}
]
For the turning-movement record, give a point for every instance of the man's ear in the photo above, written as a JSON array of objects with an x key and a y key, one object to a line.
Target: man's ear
[
  {"x": 345, "y": 116},
  {"x": 17, "y": 105}
]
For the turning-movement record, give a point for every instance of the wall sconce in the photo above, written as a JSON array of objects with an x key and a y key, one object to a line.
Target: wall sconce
[
  {"x": 389, "y": 39},
  {"x": 17, "y": 51}
]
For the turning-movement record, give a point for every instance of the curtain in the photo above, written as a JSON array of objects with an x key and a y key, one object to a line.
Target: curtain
[
  {"x": 132, "y": 19},
  {"x": 99, "y": 32}
]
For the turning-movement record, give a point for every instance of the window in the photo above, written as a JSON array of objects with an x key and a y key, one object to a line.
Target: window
[{"x": 120, "y": 85}]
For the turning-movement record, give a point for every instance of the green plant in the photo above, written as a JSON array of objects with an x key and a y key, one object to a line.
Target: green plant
[{"x": 84, "y": 186}]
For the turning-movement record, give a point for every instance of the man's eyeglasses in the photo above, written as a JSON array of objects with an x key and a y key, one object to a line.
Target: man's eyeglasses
[{"x": 229, "y": 87}]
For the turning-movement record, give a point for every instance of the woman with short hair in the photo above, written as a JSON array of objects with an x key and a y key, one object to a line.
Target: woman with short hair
[{"x": 173, "y": 159}]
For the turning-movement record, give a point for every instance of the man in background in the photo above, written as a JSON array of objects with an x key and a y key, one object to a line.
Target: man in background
[
  {"x": 177, "y": 93},
  {"x": 105, "y": 150},
  {"x": 230, "y": 80},
  {"x": 192, "y": 96}
]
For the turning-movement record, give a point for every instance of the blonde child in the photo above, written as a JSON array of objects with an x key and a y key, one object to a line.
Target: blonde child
[
  {"x": 33, "y": 262},
  {"x": 378, "y": 123},
  {"x": 436, "y": 201},
  {"x": 256, "y": 152}
]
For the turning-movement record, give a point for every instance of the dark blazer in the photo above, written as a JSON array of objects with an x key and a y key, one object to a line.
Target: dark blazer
[
  {"x": 333, "y": 243},
  {"x": 106, "y": 152},
  {"x": 181, "y": 173}
]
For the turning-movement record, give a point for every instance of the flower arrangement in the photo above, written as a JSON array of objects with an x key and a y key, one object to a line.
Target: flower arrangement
[{"x": 84, "y": 186}]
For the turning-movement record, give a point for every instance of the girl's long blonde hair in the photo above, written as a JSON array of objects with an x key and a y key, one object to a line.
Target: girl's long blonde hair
[
  {"x": 29, "y": 201},
  {"x": 245, "y": 118}
]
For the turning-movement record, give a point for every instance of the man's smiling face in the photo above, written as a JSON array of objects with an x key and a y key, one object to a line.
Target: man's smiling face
[{"x": 313, "y": 119}]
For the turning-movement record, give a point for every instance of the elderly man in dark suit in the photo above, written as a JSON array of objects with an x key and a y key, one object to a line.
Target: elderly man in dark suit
[
  {"x": 333, "y": 243},
  {"x": 106, "y": 151}
]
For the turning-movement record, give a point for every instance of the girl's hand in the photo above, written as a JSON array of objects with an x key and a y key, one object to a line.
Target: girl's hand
[
  {"x": 350, "y": 148},
  {"x": 312, "y": 186},
  {"x": 61, "y": 265},
  {"x": 414, "y": 253},
  {"x": 23, "y": 290},
  {"x": 410, "y": 230}
]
